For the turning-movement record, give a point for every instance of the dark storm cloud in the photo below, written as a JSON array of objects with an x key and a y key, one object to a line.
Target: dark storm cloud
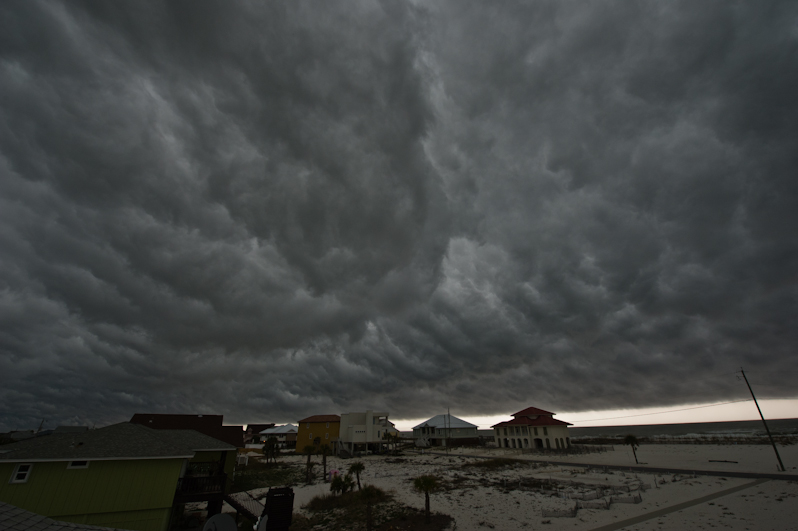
[{"x": 275, "y": 210}]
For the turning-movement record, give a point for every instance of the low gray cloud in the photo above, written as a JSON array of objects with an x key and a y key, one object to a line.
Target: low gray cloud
[{"x": 276, "y": 210}]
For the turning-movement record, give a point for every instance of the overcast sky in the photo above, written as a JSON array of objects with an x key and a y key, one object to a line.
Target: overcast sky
[{"x": 269, "y": 210}]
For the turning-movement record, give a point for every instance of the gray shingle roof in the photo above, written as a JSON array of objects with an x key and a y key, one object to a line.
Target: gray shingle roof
[
  {"x": 118, "y": 441},
  {"x": 13, "y": 518},
  {"x": 193, "y": 440}
]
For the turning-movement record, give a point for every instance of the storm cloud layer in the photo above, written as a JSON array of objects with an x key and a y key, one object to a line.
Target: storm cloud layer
[{"x": 276, "y": 209}]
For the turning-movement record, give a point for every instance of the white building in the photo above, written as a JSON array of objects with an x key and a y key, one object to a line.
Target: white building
[
  {"x": 364, "y": 431},
  {"x": 285, "y": 435},
  {"x": 532, "y": 428},
  {"x": 441, "y": 430}
]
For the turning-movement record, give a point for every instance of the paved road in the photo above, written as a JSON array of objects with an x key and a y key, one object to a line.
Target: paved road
[
  {"x": 662, "y": 512},
  {"x": 722, "y": 473}
]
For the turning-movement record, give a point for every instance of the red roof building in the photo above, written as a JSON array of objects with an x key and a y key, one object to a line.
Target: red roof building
[{"x": 533, "y": 428}]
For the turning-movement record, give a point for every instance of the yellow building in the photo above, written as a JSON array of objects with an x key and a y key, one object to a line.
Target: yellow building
[{"x": 317, "y": 430}]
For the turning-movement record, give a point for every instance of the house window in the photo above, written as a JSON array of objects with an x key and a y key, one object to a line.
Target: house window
[
  {"x": 21, "y": 473},
  {"x": 536, "y": 431},
  {"x": 328, "y": 424},
  {"x": 545, "y": 431},
  {"x": 326, "y": 435},
  {"x": 310, "y": 436},
  {"x": 78, "y": 464}
]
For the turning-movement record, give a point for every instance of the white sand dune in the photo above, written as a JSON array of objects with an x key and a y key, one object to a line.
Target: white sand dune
[{"x": 494, "y": 499}]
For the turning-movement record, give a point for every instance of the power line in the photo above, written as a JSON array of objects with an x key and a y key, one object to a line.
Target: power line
[{"x": 671, "y": 411}]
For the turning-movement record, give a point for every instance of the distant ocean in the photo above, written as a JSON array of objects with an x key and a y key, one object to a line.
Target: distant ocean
[{"x": 719, "y": 429}]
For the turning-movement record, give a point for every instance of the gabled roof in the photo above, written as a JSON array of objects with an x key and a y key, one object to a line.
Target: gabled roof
[
  {"x": 279, "y": 430},
  {"x": 210, "y": 425},
  {"x": 194, "y": 440},
  {"x": 322, "y": 418},
  {"x": 70, "y": 429},
  {"x": 119, "y": 441},
  {"x": 257, "y": 428},
  {"x": 527, "y": 421},
  {"x": 531, "y": 411},
  {"x": 12, "y": 518},
  {"x": 445, "y": 421}
]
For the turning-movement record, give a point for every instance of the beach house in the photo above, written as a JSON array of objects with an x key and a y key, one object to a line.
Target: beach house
[
  {"x": 532, "y": 428},
  {"x": 285, "y": 435},
  {"x": 317, "y": 430},
  {"x": 442, "y": 430},
  {"x": 125, "y": 475},
  {"x": 364, "y": 431}
]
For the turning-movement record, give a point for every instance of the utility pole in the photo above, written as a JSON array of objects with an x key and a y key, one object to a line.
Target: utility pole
[
  {"x": 772, "y": 442},
  {"x": 449, "y": 422}
]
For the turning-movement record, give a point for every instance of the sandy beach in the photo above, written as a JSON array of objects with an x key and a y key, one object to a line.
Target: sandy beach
[{"x": 523, "y": 495}]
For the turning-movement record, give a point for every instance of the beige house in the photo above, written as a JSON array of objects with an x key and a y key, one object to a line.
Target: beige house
[
  {"x": 364, "y": 431},
  {"x": 532, "y": 428}
]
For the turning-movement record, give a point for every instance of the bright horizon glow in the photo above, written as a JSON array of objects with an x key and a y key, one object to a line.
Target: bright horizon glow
[{"x": 703, "y": 412}]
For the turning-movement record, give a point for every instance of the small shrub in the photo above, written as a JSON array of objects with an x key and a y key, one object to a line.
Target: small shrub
[
  {"x": 328, "y": 502},
  {"x": 492, "y": 464}
]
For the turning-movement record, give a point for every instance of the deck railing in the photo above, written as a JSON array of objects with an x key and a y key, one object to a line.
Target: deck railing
[{"x": 201, "y": 484}]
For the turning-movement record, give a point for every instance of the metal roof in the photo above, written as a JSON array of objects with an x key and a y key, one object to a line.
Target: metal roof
[
  {"x": 445, "y": 421},
  {"x": 279, "y": 430}
]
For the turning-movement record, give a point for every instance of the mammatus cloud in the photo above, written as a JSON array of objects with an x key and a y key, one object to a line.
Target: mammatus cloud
[{"x": 270, "y": 211}]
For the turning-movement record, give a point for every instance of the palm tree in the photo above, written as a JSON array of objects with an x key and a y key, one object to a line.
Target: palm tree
[
  {"x": 426, "y": 484},
  {"x": 631, "y": 440},
  {"x": 325, "y": 450},
  {"x": 369, "y": 493},
  {"x": 309, "y": 451},
  {"x": 271, "y": 449},
  {"x": 356, "y": 468}
]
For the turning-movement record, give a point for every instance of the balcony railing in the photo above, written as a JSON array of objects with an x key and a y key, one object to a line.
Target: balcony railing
[{"x": 201, "y": 485}]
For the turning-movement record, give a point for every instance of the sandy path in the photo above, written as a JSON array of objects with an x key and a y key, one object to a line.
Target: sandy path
[
  {"x": 662, "y": 512},
  {"x": 770, "y": 506},
  {"x": 719, "y": 458}
]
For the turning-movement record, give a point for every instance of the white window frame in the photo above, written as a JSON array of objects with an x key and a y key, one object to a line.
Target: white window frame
[
  {"x": 73, "y": 466},
  {"x": 17, "y": 472}
]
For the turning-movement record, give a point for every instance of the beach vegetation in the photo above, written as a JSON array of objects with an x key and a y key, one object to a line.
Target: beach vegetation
[
  {"x": 271, "y": 449},
  {"x": 427, "y": 485},
  {"x": 631, "y": 440},
  {"x": 493, "y": 464},
  {"x": 357, "y": 468}
]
